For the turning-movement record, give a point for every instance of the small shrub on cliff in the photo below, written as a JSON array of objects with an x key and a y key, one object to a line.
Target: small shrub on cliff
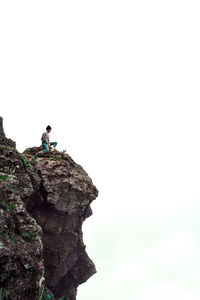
[
  {"x": 3, "y": 177},
  {"x": 25, "y": 160},
  {"x": 34, "y": 159}
]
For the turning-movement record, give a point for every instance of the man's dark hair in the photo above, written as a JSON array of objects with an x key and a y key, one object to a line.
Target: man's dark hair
[{"x": 48, "y": 127}]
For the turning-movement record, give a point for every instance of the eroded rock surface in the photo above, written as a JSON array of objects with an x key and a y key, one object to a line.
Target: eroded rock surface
[{"x": 44, "y": 200}]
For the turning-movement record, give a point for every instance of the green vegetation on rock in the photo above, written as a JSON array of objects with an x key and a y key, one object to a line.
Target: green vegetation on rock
[
  {"x": 25, "y": 160},
  {"x": 12, "y": 148},
  {"x": 3, "y": 177},
  {"x": 45, "y": 295},
  {"x": 31, "y": 235},
  {"x": 8, "y": 205},
  {"x": 34, "y": 159}
]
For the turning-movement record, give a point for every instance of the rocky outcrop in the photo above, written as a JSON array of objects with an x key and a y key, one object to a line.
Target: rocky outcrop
[
  {"x": 3, "y": 139},
  {"x": 44, "y": 200}
]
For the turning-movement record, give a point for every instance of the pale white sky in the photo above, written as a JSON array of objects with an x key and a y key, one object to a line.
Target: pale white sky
[{"x": 118, "y": 81}]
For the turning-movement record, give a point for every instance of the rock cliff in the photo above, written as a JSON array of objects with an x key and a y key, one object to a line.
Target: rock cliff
[{"x": 44, "y": 200}]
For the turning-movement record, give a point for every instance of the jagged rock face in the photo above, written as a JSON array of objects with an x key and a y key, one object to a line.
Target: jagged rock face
[
  {"x": 67, "y": 192},
  {"x": 48, "y": 197},
  {"x": 21, "y": 249},
  {"x": 3, "y": 139}
]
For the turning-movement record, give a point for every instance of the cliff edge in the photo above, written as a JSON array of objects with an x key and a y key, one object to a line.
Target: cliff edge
[{"x": 44, "y": 200}]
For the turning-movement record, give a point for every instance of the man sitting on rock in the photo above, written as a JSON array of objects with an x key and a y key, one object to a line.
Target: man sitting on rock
[{"x": 48, "y": 146}]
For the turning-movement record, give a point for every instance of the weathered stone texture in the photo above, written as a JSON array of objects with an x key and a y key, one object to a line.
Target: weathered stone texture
[{"x": 44, "y": 200}]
